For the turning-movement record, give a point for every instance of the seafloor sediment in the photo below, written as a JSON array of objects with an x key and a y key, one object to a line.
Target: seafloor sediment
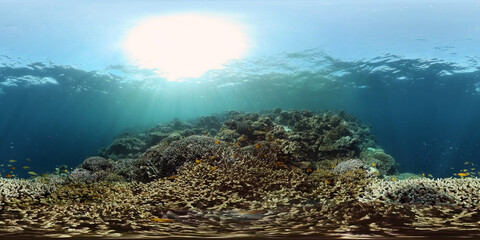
[{"x": 278, "y": 173}]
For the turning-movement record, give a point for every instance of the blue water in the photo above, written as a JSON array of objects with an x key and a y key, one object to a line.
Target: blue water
[{"x": 424, "y": 112}]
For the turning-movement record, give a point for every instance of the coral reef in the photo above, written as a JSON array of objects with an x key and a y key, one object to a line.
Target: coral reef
[
  {"x": 382, "y": 161},
  {"x": 164, "y": 159},
  {"x": 349, "y": 165},
  {"x": 447, "y": 191},
  {"x": 268, "y": 173},
  {"x": 95, "y": 169},
  {"x": 302, "y": 139},
  {"x": 125, "y": 147}
]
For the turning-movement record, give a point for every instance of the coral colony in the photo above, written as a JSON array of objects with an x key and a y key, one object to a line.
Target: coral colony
[{"x": 260, "y": 174}]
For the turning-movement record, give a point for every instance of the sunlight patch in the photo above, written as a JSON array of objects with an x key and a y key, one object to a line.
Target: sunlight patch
[{"x": 185, "y": 46}]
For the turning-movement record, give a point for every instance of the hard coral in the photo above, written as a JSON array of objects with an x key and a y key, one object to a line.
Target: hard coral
[
  {"x": 125, "y": 147},
  {"x": 382, "y": 161},
  {"x": 164, "y": 160},
  {"x": 447, "y": 191}
]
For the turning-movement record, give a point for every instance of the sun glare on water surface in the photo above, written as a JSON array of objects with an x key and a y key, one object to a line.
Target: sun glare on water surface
[{"x": 184, "y": 46}]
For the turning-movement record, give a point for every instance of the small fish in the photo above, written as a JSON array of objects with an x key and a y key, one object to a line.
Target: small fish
[
  {"x": 172, "y": 177},
  {"x": 204, "y": 131},
  {"x": 162, "y": 220},
  {"x": 465, "y": 170},
  {"x": 258, "y": 145},
  {"x": 293, "y": 167},
  {"x": 327, "y": 182},
  {"x": 8, "y": 176},
  {"x": 235, "y": 155},
  {"x": 333, "y": 166},
  {"x": 26, "y": 167},
  {"x": 452, "y": 168},
  {"x": 466, "y": 163},
  {"x": 32, "y": 173},
  {"x": 237, "y": 144},
  {"x": 280, "y": 163},
  {"x": 430, "y": 175},
  {"x": 472, "y": 168},
  {"x": 213, "y": 157},
  {"x": 12, "y": 161},
  {"x": 29, "y": 160},
  {"x": 309, "y": 170},
  {"x": 217, "y": 142},
  {"x": 198, "y": 161},
  {"x": 65, "y": 170},
  {"x": 423, "y": 174},
  {"x": 394, "y": 179},
  {"x": 214, "y": 168},
  {"x": 9, "y": 165},
  {"x": 462, "y": 174},
  {"x": 373, "y": 164},
  {"x": 206, "y": 135},
  {"x": 265, "y": 155},
  {"x": 13, "y": 168}
]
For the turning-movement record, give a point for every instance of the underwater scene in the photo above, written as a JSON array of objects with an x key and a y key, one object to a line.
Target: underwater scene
[{"x": 239, "y": 119}]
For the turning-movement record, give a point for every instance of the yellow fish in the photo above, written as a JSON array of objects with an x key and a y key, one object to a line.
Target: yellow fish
[
  {"x": 327, "y": 182},
  {"x": 204, "y": 131},
  {"x": 32, "y": 173},
  {"x": 373, "y": 164},
  {"x": 309, "y": 170},
  {"x": 217, "y": 142},
  {"x": 423, "y": 174},
  {"x": 198, "y": 161},
  {"x": 12, "y": 161},
  {"x": 280, "y": 163},
  {"x": 162, "y": 220},
  {"x": 172, "y": 177},
  {"x": 472, "y": 168},
  {"x": 258, "y": 145},
  {"x": 293, "y": 167},
  {"x": 466, "y": 163},
  {"x": 394, "y": 179},
  {"x": 26, "y": 167},
  {"x": 214, "y": 168},
  {"x": 430, "y": 175},
  {"x": 462, "y": 174}
]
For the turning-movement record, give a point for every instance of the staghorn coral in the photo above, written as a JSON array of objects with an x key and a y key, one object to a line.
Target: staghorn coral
[{"x": 449, "y": 191}]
